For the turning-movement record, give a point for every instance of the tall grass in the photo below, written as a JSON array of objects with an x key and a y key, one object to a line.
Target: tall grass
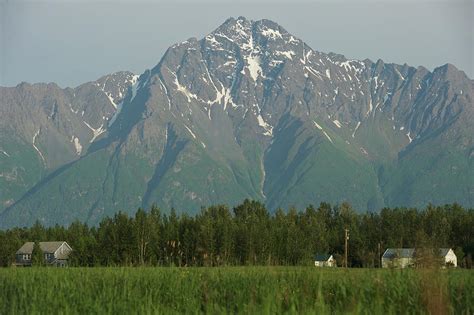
[{"x": 249, "y": 290}]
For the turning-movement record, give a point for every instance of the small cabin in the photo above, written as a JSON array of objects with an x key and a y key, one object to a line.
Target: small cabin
[
  {"x": 54, "y": 253},
  {"x": 324, "y": 260}
]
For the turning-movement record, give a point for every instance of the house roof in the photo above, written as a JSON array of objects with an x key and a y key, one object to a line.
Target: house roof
[
  {"x": 46, "y": 247},
  {"x": 399, "y": 253},
  {"x": 322, "y": 257},
  {"x": 408, "y": 252},
  {"x": 444, "y": 251}
]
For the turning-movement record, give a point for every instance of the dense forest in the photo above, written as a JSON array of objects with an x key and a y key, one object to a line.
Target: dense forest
[{"x": 249, "y": 234}]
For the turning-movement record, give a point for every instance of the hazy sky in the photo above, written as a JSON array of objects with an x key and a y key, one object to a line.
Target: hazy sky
[{"x": 73, "y": 41}]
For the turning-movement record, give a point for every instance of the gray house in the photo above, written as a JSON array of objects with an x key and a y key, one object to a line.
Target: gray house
[
  {"x": 398, "y": 258},
  {"x": 55, "y": 253},
  {"x": 406, "y": 257}
]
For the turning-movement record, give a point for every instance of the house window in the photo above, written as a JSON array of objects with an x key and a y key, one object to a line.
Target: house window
[{"x": 26, "y": 257}]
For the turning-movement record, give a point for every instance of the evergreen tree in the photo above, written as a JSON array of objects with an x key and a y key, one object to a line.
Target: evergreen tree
[
  {"x": 37, "y": 256},
  {"x": 142, "y": 234},
  {"x": 251, "y": 235}
]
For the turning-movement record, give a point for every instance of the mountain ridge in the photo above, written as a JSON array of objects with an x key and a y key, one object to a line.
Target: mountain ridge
[{"x": 251, "y": 111}]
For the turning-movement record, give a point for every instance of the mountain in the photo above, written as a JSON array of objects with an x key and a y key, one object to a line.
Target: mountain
[
  {"x": 251, "y": 111},
  {"x": 44, "y": 127}
]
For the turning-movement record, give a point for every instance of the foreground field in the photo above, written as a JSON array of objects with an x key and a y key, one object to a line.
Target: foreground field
[{"x": 234, "y": 290}]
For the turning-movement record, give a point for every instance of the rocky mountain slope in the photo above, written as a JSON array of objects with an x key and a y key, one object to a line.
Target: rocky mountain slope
[
  {"x": 44, "y": 127},
  {"x": 249, "y": 111}
]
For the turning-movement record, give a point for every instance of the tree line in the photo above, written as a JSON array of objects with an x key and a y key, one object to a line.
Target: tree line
[{"x": 249, "y": 234}]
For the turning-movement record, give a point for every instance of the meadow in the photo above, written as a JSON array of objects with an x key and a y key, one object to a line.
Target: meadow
[{"x": 249, "y": 290}]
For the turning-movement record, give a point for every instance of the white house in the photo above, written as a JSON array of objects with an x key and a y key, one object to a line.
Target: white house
[
  {"x": 324, "y": 260},
  {"x": 449, "y": 257},
  {"x": 406, "y": 257}
]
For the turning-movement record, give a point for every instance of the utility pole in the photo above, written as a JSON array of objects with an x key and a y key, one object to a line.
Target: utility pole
[
  {"x": 346, "y": 238},
  {"x": 379, "y": 258}
]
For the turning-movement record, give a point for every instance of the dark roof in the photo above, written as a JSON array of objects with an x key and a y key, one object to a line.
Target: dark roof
[
  {"x": 399, "y": 253},
  {"x": 46, "y": 247},
  {"x": 322, "y": 257},
  {"x": 444, "y": 251}
]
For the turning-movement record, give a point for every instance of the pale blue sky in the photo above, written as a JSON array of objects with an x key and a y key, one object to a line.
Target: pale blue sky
[{"x": 74, "y": 41}]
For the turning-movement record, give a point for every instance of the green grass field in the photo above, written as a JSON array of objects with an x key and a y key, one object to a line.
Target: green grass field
[{"x": 250, "y": 290}]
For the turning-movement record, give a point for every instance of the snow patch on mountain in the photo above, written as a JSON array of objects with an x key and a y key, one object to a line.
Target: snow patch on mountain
[
  {"x": 165, "y": 90},
  {"x": 399, "y": 74},
  {"x": 327, "y": 136},
  {"x": 240, "y": 28},
  {"x": 271, "y": 33},
  {"x": 109, "y": 96},
  {"x": 328, "y": 73},
  {"x": 182, "y": 89},
  {"x": 336, "y": 92},
  {"x": 130, "y": 80},
  {"x": 293, "y": 40},
  {"x": 190, "y": 131},
  {"x": 111, "y": 99},
  {"x": 223, "y": 96},
  {"x": 135, "y": 84},
  {"x": 288, "y": 54},
  {"x": 253, "y": 65},
  {"x": 228, "y": 99},
  {"x": 5, "y": 153},
  {"x": 352, "y": 65},
  {"x": 72, "y": 110},
  {"x": 252, "y": 59},
  {"x": 267, "y": 127},
  {"x": 376, "y": 79},
  {"x": 36, "y": 148},
  {"x": 95, "y": 132},
  {"x": 77, "y": 145},
  {"x": 185, "y": 91},
  {"x": 324, "y": 132},
  {"x": 318, "y": 126},
  {"x": 371, "y": 107},
  {"x": 355, "y": 130},
  {"x": 337, "y": 123},
  {"x": 212, "y": 40},
  {"x": 264, "y": 175},
  {"x": 314, "y": 72},
  {"x": 224, "y": 36}
]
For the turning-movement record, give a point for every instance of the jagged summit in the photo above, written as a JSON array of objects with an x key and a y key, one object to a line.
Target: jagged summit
[
  {"x": 249, "y": 34},
  {"x": 241, "y": 26},
  {"x": 244, "y": 66}
]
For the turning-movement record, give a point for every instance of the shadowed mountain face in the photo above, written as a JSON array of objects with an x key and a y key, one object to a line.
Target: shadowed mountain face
[{"x": 249, "y": 111}]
